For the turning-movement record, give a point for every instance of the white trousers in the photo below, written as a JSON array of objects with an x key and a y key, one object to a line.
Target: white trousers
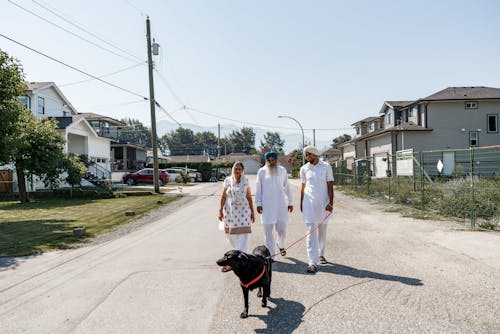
[
  {"x": 269, "y": 236},
  {"x": 238, "y": 241},
  {"x": 316, "y": 243}
]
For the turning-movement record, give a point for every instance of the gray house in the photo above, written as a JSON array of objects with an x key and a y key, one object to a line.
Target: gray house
[{"x": 453, "y": 118}]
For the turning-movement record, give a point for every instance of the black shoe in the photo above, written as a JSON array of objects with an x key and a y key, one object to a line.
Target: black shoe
[
  {"x": 322, "y": 260},
  {"x": 312, "y": 269}
]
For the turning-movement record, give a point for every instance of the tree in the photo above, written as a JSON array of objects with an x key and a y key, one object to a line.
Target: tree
[
  {"x": 340, "y": 139},
  {"x": 34, "y": 147},
  {"x": 135, "y": 133},
  {"x": 207, "y": 142},
  {"x": 11, "y": 86},
  {"x": 272, "y": 142},
  {"x": 243, "y": 140},
  {"x": 179, "y": 142}
]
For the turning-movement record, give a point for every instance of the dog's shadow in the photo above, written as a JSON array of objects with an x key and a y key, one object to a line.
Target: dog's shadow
[
  {"x": 285, "y": 317},
  {"x": 298, "y": 267}
]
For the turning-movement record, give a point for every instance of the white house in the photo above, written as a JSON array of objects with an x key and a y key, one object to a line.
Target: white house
[{"x": 45, "y": 100}]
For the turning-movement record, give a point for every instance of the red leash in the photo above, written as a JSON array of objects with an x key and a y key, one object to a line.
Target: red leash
[
  {"x": 314, "y": 229},
  {"x": 255, "y": 279}
]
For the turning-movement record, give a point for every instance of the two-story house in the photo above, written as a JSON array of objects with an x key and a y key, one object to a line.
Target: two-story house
[
  {"x": 453, "y": 118},
  {"x": 45, "y": 100},
  {"x": 125, "y": 156}
]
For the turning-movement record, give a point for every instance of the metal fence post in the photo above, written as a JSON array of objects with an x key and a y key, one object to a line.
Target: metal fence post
[
  {"x": 388, "y": 174},
  {"x": 422, "y": 179},
  {"x": 473, "y": 204}
]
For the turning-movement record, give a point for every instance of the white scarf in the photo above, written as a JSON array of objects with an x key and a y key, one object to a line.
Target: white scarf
[{"x": 238, "y": 190}]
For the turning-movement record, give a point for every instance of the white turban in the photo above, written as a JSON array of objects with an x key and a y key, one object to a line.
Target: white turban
[{"x": 311, "y": 149}]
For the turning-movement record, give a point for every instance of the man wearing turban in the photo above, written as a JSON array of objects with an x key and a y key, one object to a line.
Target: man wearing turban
[
  {"x": 316, "y": 201},
  {"x": 273, "y": 198}
]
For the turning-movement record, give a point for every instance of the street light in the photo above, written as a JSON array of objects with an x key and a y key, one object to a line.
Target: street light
[{"x": 302, "y": 130}]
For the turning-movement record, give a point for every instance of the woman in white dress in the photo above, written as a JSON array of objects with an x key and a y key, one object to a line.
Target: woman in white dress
[{"x": 236, "y": 208}]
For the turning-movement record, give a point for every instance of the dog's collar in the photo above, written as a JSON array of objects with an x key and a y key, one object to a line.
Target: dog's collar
[{"x": 255, "y": 279}]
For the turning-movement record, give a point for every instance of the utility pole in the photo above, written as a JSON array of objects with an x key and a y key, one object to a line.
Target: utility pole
[
  {"x": 156, "y": 174},
  {"x": 218, "y": 141},
  {"x": 314, "y": 137}
]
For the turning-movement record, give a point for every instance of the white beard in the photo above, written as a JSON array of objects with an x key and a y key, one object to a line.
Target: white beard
[{"x": 272, "y": 171}]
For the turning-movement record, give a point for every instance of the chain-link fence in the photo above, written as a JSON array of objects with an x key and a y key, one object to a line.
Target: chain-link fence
[{"x": 455, "y": 183}]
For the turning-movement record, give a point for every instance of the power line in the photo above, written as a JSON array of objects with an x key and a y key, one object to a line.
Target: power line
[
  {"x": 74, "y": 68},
  {"x": 102, "y": 76},
  {"x": 80, "y": 27},
  {"x": 135, "y": 7},
  {"x": 167, "y": 113},
  {"x": 70, "y": 32},
  {"x": 115, "y": 104},
  {"x": 165, "y": 82}
]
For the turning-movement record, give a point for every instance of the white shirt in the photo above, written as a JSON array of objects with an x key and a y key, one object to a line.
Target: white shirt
[
  {"x": 273, "y": 194},
  {"x": 315, "y": 177}
]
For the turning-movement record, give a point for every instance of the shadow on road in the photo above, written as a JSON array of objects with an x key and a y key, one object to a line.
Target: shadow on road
[
  {"x": 284, "y": 318},
  {"x": 8, "y": 263},
  {"x": 299, "y": 267}
]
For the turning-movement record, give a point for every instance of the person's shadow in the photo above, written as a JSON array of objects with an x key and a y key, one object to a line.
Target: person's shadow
[
  {"x": 299, "y": 267},
  {"x": 284, "y": 318}
]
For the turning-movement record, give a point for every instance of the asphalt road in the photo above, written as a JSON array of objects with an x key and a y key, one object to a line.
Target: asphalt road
[{"x": 387, "y": 274}]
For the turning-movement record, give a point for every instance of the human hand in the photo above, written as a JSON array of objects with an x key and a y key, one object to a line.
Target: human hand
[
  {"x": 221, "y": 215},
  {"x": 290, "y": 208},
  {"x": 259, "y": 209},
  {"x": 252, "y": 217},
  {"x": 329, "y": 207}
]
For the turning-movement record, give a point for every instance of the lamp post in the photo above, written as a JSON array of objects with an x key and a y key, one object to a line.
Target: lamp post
[{"x": 302, "y": 130}]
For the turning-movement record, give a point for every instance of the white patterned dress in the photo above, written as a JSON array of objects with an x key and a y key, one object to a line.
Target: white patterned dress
[{"x": 236, "y": 209}]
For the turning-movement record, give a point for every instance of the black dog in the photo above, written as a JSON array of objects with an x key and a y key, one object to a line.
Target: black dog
[{"x": 254, "y": 271}]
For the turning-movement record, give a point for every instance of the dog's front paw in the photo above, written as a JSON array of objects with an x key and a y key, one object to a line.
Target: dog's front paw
[
  {"x": 244, "y": 315},
  {"x": 259, "y": 293}
]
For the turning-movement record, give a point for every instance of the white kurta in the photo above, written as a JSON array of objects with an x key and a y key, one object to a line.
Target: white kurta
[
  {"x": 273, "y": 194},
  {"x": 316, "y": 197}
]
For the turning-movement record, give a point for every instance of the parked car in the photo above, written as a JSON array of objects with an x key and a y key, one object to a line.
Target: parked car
[
  {"x": 194, "y": 175},
  {"x": 175, "y": 174},
  {"x": 145, "y": 176},
  {"x": 217, "y": 175}
]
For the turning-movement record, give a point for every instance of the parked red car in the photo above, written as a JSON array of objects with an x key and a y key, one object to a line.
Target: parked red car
[{"x": 145, "y": 176}]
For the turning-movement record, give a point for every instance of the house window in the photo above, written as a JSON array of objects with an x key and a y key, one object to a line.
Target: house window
[
  {"x": 40, "y": 105},
  {"x": 372, "y": 126},
  {"x": 24, "y": 100},
  {"x": 492, "y": 123},
  {"x": 470, "y": 104},
  {"x": 473, "y": 139},
  {"x": 388, "y": 118},
  {"x": 357, "y": 130}
]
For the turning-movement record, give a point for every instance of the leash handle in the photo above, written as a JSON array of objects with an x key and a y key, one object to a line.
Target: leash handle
[{"x": 302, "y": 238}]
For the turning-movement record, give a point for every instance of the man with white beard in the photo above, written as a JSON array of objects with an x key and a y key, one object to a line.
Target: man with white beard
[{"x": 273, "y": 198}]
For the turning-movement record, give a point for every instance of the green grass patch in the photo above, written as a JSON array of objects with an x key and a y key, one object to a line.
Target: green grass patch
[{"x": 47, "y": 224}]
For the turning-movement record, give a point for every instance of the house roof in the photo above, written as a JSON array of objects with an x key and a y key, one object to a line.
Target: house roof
[
  {"x": 394, "y": 105},
  {"x": 63, "y": 122},
  {"x": 38, "y": 85},
  {"x": 90, "y": 116},
  {"x": 410, "y": 126},
  {"x": 188, "y": 158},
  {"x": 464, "y": 93},
  {"x": 120, "y": 143},
  {"x": 366, "y": 120},
  {"x": 331, "y": 151}
]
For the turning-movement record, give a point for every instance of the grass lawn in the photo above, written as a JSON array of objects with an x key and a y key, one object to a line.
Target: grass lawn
[{"x": 47, "y": 224}]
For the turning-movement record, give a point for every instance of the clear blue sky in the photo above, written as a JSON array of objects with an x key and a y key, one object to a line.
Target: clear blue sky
[{"x": 326, "y": 63}]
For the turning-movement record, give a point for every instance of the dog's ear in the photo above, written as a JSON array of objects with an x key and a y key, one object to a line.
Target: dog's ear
[{"x": 242, "y": 256}]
